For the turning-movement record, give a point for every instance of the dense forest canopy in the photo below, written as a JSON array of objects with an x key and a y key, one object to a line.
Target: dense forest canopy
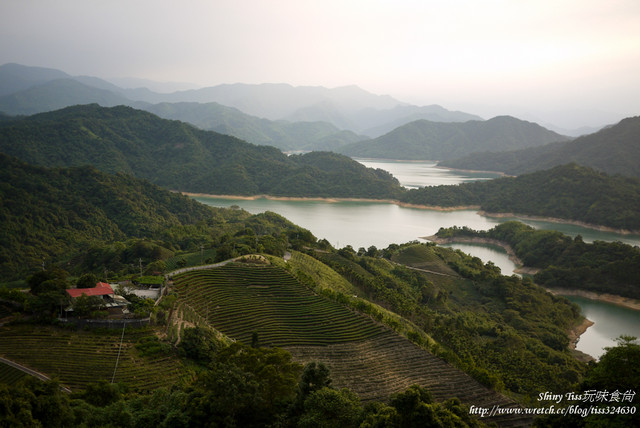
[
  {"x": 50, "y": 215},
  {"x": 570, "y": 192},
  {"x": 178, "y": 156}
]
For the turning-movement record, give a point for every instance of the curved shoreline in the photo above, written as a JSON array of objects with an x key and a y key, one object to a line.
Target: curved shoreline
[
  {"x": 476, "y": 240},
  {"x": 334, "y": 200},
  {"x": 615, "y": 299},
  {"x": 419, "y": 206},
  {"x": 626, "y": 302},
  {"x": 574, "y": 337}
]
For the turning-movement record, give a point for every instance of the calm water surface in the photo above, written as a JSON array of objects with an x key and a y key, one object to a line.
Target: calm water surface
[
  {"x": 363, "y": 224},
  {"x": 610, "y": 321}
]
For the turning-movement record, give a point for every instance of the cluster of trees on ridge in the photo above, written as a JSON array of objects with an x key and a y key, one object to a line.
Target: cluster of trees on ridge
[
  {"x": 571, "y": 192},
  {"x": 602, "y": 267}
]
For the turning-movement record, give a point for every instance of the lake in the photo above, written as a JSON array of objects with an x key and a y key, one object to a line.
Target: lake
[{"x": 363, "y": 224}]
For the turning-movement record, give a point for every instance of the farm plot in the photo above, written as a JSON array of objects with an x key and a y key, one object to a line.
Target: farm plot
[
  {"x": 387, "y": 364},
  {"x": 240, "y": 300},
  {"x": 77, "y": 358}
]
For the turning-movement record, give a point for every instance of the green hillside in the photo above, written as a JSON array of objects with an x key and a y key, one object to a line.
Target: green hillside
[
  {"x": 569, "y": 192},
  {"x": 563, "y": 262},
  {"x": 614, "y": 150},
  {"x": 94, "y": 221},
  {"x": 178, "y": 156},
  {"x": 425, "y": 140},
  {"x": 48, "y": 214}
]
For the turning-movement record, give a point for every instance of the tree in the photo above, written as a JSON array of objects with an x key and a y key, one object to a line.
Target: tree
[
  {"x": 101, "y": 393},
  {"x": 48, "y": 280},
  {"x": 331, "y": 408},
  {"x": 618, "y": 368},
  {"x": 314, "y": 377},
  {"x": 88, "y": 280},
  {"x": 84, "y": 304},
  {"x": 34, "y": 403},
  {"x": 199, "y": 344}
]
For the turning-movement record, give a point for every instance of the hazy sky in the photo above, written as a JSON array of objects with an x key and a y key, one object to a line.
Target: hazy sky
[{"x": 484, "y": 57}]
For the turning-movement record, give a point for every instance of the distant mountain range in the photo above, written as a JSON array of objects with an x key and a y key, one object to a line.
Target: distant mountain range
[
  {"x": 28, "y": 90},
  {"x": 615, "y": 150},
  {"x": 426, "y": 140},
  {"x": 178, "y": 156},
  {"x": 286, "y": 136},
  {"x": 346, "y": 120}
]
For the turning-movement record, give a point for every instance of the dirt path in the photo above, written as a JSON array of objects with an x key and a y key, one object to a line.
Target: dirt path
[{"x": 29, "y": 371}]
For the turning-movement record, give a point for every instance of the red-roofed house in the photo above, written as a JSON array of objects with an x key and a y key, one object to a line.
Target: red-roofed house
[
  {"x": 101, "y": 289},
  {"x": 110, "y": 300}
]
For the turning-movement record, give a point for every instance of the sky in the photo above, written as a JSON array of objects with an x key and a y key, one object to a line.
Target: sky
[{"x": 568, "y": 62}]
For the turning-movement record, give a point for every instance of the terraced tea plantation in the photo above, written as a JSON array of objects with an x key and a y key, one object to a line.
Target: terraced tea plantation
[
  {"x": 240, "y": 300},
  {"x": 77, "y": 358},
  {"x": 371, "y": 360}
]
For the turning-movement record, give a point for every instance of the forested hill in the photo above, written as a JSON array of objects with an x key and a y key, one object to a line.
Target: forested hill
[
  {"x": 614, "y": 150},
  {"x": 178, "y": 156},
  {"x": 423, "y": 139},
  {"x": 49, "y": 213},
  {"x": 53, "y": 215},
  {"x": 570, "y": 192}
]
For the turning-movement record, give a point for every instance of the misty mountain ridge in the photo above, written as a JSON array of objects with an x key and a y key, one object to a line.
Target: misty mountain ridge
[
  {"x": 426, "y": 140},
  {"x": 347, "y": 108},
  {"x": 15, "y": 77},
  {"x": 57, "y": 94},
  {"x": 614, "y": 149},
  {"x": 286, "y": 136}
]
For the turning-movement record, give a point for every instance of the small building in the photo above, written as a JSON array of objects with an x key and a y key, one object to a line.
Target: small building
[
  {"x": 104, "y": 290},
  {"x": 101, "y": 289}
]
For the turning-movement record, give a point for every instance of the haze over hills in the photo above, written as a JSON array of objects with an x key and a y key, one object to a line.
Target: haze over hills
[
  {"x": 425, "y": 140},
  {"x": 57, "y": 94},
  {"x": 179, "y": 156},
  {"x": 286, "y": 136},
  {"x": 30, "y": 90},
  {"x": 615, "y": 150}
]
